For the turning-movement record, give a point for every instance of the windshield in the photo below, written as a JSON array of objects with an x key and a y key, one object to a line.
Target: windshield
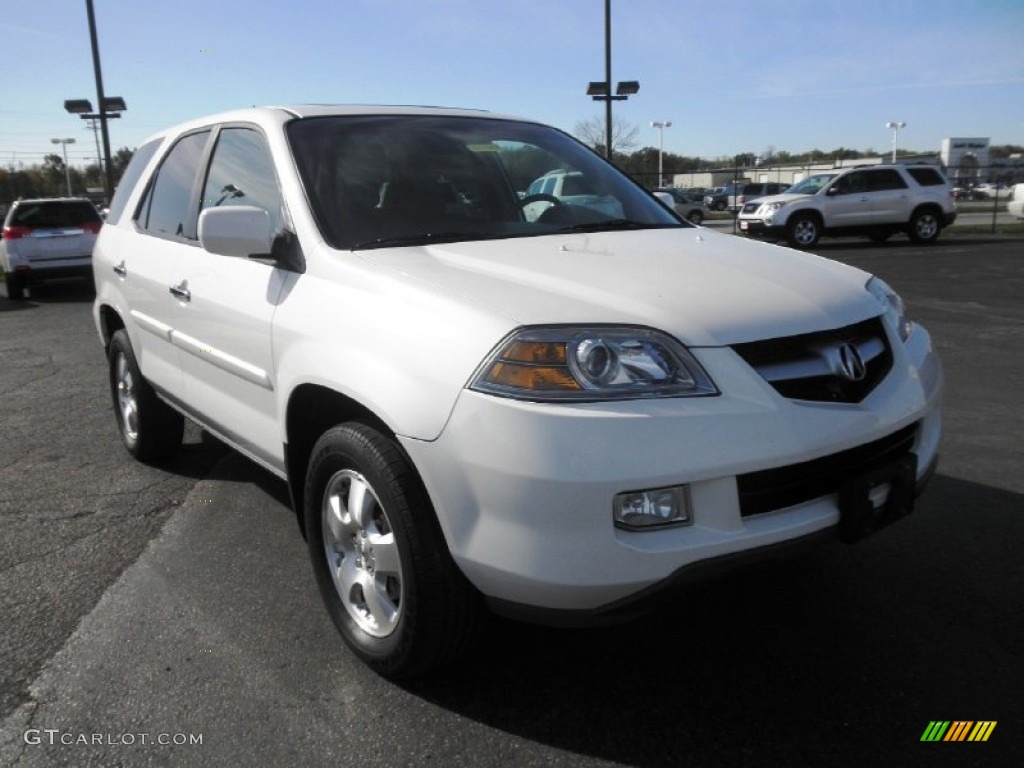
[
  {"x": 812, "y": 184},
  {"x": 380, "y": 180}
]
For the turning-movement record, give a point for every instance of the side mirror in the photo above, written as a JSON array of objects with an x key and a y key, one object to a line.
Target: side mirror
[{"x": 237, "y": 230}]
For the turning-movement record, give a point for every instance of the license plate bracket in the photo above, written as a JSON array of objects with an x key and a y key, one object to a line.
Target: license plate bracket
[{"x": 877, "y": 498}]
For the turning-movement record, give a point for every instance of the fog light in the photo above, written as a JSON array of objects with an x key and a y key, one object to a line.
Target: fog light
[{"x": 656, "y": 508}]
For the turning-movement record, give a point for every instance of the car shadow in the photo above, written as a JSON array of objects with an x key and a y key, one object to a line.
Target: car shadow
[
  {"x": 62, "y": 292},
  {"x": 832, "y": 659}
]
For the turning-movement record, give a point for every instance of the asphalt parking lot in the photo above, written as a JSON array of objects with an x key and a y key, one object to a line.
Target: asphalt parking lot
[{"x": 177, "y": 600}]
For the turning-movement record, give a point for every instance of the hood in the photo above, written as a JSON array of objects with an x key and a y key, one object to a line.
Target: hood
[{"x": 704, "y": 288}]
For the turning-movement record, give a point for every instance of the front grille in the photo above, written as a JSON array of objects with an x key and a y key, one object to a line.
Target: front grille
[
  {"x": 782, "y": 487},
  {"x": 811, "y": 366}
]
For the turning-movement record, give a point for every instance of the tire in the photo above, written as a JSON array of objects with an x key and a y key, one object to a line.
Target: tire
[
  {"x": 924, "y": 226},
  {"x": 15, "y": 286},
  {"x": 150, "y": 429},
  {"x": 695, "y": 217},
  {"x": 420, "y": 612},
  {"x": 803, "y": 231},
  {"x": 718, "y": 206}
]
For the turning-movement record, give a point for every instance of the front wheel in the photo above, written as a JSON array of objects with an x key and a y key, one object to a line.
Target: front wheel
[
  {"x": 379, "y": 557},
  {"x": 924, "y": 227},
  {"x": 150, "y": 429},
  {"x": 695, "y": 217},
  {"x": 803, "y": 231}
]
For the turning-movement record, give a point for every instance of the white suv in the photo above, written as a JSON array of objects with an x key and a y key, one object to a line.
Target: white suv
[
  {"x": 877, "y": 201},
  {"x": 559, "y": 417},
  {"x": 45, "y": 239}
]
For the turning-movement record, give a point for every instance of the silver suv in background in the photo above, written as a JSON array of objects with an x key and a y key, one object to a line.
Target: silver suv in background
[
  {"x": 877, "y": 201},
  {"x": 47, "y": 238}
]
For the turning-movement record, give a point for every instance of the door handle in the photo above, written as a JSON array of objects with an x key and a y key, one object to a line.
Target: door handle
[
  {"x": 120, "y": 270},
  {"x": 181, "y": 291}
]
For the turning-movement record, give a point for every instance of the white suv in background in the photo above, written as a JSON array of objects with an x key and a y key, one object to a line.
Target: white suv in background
[
  {"x": 877, "y": 201},
  {"x": 559, "y": 415},
  {"x": 45, "y": 239}
]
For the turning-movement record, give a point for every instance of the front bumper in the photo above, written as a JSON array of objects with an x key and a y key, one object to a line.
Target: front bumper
[
  {"x": 523, "y": 491},
  {"x": 759, "y": 228}
]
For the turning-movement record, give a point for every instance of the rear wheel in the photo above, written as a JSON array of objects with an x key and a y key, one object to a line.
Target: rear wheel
[
  {"x": 379, "y": 557},
  {"x": 803, "y": 231},
  {"x": 150, "y": 429},
  {"x": 695, "y": 216},
  {"x": 924, "y": 226},
  {"x": 15, "y": 286}
]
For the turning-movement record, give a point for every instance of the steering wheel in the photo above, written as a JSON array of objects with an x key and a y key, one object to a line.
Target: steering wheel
[{"x": 539, "y": 198}]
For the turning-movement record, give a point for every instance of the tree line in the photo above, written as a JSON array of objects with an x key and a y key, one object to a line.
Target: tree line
[
  {"x": 47, "y": 179},
  {"x": 642, "y": 163}
]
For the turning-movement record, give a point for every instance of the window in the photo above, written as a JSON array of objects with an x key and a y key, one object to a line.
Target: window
[
  {"x": 926, "y": 177},
  {"x": 884, "y": 179},
  {"x": 242, "y": 173},
  {"x": 130, "y": 178},
  {"x": 851, "y": 183},
  {"x": 167, "y": 209}
]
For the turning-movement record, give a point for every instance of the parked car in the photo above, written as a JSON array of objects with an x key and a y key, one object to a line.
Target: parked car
[
  {"x": 563, "y": 187},
  {"x": 877, "y": 201},
  {"x": 717, "y": 199},
  {"x": 690, "y": 208},
  {"x": 558, "y": 417},
  {"x": 988, "y": 191},
  {"x": 1016, "y": 204},
  {"x": 45, "y": 239},
  {"x": 748, "y": 192}
]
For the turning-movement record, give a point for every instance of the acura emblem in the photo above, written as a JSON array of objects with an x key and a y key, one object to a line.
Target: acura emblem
[{"x": 851, "y": 366}]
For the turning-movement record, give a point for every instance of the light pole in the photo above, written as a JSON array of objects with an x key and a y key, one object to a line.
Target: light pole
[
  {"x": 895, "y": 127},
  {"x": 661, "y": 125},
  {"x": 601, "y": 90},
  {"x": 67, "y": 173}
]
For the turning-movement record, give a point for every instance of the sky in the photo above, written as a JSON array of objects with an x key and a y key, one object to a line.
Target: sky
[{"x": 731, "y": 75}]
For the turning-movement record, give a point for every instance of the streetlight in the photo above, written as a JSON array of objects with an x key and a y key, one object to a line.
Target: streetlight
[
  {"x": 895, "y": 127},
  {"x": 64, "y": 145},
  {"x": 601, "y": 90},
  {"x": 111, "y": 107},
  {"x": 661, "y": 126}
]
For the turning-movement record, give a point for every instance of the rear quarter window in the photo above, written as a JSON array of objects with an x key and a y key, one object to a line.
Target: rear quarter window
[
  {"x": 130, "y": 178},
  {"x": 926, "y": 177}
]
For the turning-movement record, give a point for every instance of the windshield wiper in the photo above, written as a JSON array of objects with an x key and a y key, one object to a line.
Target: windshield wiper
[
  {"x": 421, "y": 238},
  {"x": 612, "y": 225}
]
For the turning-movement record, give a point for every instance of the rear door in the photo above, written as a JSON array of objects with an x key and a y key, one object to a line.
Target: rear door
[
  {"x": 890, "y": 196},
  {"x": 145, "y": 260}
]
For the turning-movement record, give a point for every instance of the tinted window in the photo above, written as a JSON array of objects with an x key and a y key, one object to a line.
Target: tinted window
[
  {"x": 926, "y": 177},
  {"x": 242, "y": 173},
  {"x": 167, "y": 209},
  {"x": 884, "y": 179},
  {"x": 55, "y": 215},
  {"x": 130, "y": 178}
]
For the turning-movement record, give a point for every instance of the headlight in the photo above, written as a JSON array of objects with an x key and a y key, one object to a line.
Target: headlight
[
  {"x": 771, "y": 207},
  {"x": 892, "y": 304},
  {"x": 591, "y": 363}
]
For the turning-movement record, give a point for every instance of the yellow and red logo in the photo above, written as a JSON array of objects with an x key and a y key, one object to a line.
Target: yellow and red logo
[{"x": 958, "y": 730}]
